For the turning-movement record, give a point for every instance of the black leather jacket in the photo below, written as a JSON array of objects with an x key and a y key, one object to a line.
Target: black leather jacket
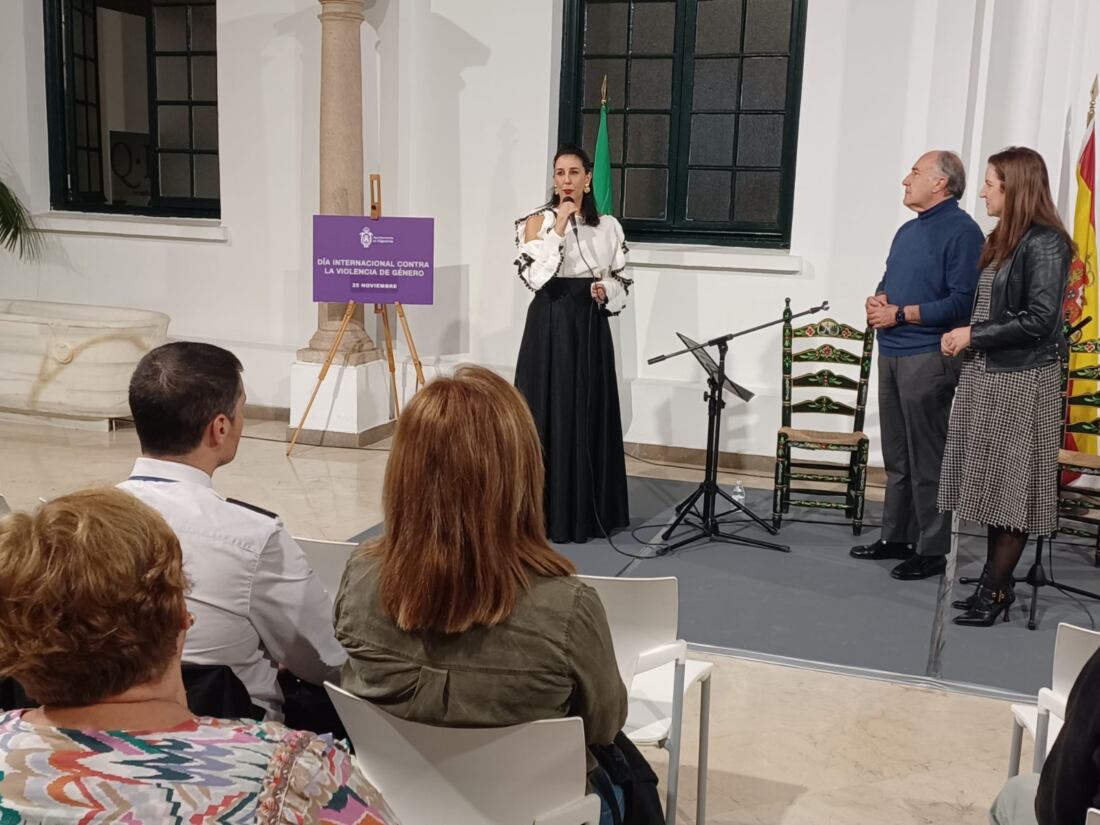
[{"x": 1024, "y": 329}]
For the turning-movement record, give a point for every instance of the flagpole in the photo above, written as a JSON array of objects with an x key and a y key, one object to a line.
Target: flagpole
[
  {"x": 603, "y": 95},
  {"x": 1092, "y": 97}
]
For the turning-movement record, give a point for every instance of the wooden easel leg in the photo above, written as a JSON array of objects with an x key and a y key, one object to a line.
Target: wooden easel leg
[
  {"x": 412, "y": 346},
  {"x": 324, "y": 371},
  {"x": 381, "y": 308}
]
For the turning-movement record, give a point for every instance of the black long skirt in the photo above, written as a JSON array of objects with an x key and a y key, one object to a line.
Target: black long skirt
[{"x": 566, "y": 371}]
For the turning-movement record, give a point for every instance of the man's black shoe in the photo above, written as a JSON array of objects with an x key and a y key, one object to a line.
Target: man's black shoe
[
  {"x": 882, "y": 550},
  {"x": 920, "y": 567}
]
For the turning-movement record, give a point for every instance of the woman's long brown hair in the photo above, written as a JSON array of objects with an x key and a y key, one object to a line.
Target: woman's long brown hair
[
  {"x": 1023, "y": 177},
  {"x": 463, "y": 502}
]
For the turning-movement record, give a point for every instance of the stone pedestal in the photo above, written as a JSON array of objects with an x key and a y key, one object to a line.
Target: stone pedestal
[{"x": 352, "y": 407}]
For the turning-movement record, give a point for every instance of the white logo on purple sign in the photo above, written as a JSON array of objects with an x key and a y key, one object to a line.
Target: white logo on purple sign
[{"x": 366, "y": 237}]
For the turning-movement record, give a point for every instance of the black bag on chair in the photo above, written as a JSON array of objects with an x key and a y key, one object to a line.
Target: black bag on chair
[{"x": 627, "y": 768}]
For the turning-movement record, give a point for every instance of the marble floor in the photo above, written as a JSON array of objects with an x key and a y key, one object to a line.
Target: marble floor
[{"x": 787, "y": 745}]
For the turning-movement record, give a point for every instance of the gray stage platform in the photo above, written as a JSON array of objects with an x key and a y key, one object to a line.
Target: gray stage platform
[{"x": 817, "y": 604}]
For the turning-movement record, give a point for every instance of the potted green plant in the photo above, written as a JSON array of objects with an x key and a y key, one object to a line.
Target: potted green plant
[{"x": 17, "y": 230}]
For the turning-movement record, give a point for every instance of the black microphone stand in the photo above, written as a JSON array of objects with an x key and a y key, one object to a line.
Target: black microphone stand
[{"x": 707, "y": 525}]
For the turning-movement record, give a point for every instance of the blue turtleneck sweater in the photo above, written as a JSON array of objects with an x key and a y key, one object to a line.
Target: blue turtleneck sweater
[{"x": 933, "y": 262}]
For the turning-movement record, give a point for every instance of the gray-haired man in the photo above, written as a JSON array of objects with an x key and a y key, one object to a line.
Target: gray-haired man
[{"x": 928, "y": 289}]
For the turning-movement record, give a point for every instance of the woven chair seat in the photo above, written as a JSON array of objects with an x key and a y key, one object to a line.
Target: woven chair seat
[
  {"x": 1073, "y": 458},
  {"x": 823, "y": 436}
]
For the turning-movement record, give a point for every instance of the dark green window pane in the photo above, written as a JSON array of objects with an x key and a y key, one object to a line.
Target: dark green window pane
[
  {"x": 606, "y": 26},
  {"x": 760, "y": 140},
  {"x": 203, "y": 29},
  {"x": 768, "y": 26},
  {"x": 647, "y": 139},
  {"x": 646, "y": 191},
  {"x": 654, "y": 28},
  {"x": 757, "y": 197},
  {"x": 715, "y": 84},
  {"x": 81, "y": 170},
  {"x": 175, "y": 175},
  {"x": 172, "y": 78},
  {"x": 172, "y": 127},
  {"x": 171, "y": 28},
  {"x": 78, "y": 33},
  {"x": 89, "y": 37},
  {"x": 205, "y": 120},
  {"x": 718, "y": 27},
  {"x": 78, "y": 79},
  {"x": 91, "y": 72},
  {"x": 206, "y": 176},
  {"x": 650, "y": 84},
  {"x": 614, "y": 135},
  {"x": 95, "y": 181},
  {"x": 93, "y": 127},
  {"x": 765, "y": 83},
  {"x": 204, "y": 78},
  {"x": 712, "y": 140},
  {"x": 708, "y": 195},
  {"x": 80, "y": 115},
  {"x": 594, "y": 71}
]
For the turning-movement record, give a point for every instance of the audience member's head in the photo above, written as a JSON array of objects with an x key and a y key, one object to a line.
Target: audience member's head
[
  {"x": 463, "y": 501},
  {"x": 91, "y": 597},
  {"x": 187, "y": 397}
]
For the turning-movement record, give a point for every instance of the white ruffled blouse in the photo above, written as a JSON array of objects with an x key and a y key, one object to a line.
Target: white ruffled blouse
[{"x": 600, "y": 255}]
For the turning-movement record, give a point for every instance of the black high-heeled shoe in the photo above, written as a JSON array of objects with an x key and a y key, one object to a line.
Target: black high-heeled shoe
[
  {"x": 989, "y": 605},
  {"x": 971, "y": 600}
]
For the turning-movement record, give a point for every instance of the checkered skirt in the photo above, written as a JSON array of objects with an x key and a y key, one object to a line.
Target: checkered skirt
[{"x": 1000, "y": 463}]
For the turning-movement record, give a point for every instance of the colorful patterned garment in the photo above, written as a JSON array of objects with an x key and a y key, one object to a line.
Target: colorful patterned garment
[{"x": 208, "y": 770}]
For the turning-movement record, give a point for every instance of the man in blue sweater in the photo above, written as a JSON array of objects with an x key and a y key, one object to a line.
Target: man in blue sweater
[{"x": 928, "y": 289}]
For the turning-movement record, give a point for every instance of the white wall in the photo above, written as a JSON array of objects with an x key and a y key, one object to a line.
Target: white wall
[{"x": 460, "y": 118}]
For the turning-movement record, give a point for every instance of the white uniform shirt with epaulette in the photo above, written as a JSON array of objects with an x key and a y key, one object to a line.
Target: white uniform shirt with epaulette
[{"x": 256, "y": 601}]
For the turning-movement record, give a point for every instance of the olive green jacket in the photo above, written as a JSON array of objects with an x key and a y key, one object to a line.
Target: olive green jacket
[{"x": 551, "y": 658}]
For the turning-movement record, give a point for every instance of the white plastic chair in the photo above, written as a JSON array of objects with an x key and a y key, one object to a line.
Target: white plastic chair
[
  {"x": 530, "y": 774},
  {"x": 1092, "y": 817},
  {"x": 643, "y": 615},
  {"x": 328, "y": 560},
  {"x": 1073, "y": 647}
]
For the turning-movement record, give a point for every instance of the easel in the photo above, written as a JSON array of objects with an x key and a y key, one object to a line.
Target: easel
[{"x": 379, "y": 309}]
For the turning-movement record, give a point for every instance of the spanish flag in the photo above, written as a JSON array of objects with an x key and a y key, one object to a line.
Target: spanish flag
[{"x": 1081, "y": 294}]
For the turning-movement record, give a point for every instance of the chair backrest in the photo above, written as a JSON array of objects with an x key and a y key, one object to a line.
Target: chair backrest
[
  {"x": 826, "y": 380},
  {"x": 1079, "y": 408},
  {"x": 642, "y": 614},
  {"x": 328, "y": 560},
  {"x": 1092, "y": 817},
  {"x": 1073, "y": 647},
  {"x": 466, "y": 776}
]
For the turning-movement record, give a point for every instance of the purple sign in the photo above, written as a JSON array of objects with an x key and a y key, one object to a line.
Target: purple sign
[{"x": 370, "y": 261}]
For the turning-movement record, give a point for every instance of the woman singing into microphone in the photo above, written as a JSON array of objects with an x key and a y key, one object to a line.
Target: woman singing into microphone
[{"x": 573, "y": 258}]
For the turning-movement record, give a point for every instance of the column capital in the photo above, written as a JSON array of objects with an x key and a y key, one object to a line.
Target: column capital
[{"x": 331, "y": 10}]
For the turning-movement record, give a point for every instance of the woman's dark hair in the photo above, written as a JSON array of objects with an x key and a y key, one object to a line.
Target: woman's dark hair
[
  {"x": 1023, "y": 178},
  {"x": 588, "y": 212}
]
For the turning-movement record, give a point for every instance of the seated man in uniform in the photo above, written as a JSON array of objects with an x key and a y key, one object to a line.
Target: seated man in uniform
[{"x": 258, "y": 607}]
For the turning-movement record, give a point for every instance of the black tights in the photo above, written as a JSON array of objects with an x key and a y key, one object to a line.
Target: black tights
[{"x": 1003, "y": 550}]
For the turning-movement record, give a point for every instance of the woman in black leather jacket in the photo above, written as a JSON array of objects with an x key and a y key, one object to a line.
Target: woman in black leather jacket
[{"x": 1001, "y": 460}]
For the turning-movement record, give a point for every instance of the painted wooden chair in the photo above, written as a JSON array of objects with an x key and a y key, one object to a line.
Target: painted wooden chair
[
  {"x": 837, "y": 486},
  {"x": 1079, "y": 506}
]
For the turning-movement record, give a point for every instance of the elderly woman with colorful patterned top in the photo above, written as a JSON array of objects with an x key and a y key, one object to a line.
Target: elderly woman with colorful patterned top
[
  {"x": 573, "y": 258},
  {"x": 92, "y": 622},
  {"x": 1001, "y": 461}
]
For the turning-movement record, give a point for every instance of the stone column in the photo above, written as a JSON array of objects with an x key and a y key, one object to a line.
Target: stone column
[{"x": 341, "y": 154}]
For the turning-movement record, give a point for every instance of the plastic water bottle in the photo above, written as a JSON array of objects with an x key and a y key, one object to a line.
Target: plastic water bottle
[{"x": 737, "y": 492}]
